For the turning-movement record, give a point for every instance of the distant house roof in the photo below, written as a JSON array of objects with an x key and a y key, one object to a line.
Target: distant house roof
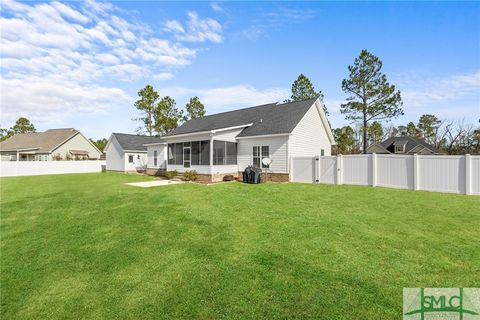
[
  {"x": 267, "y": 119},
  {"x": 411, "y": 145},
  {"x": 40, "y": 142},
  {"x": 133, "y": 142}
]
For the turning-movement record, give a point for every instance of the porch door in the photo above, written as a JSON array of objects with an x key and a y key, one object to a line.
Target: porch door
[{"x": 186, "y": 156}]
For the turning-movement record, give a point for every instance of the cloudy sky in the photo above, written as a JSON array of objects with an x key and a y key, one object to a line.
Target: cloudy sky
[{"x": 80, "y": 64}]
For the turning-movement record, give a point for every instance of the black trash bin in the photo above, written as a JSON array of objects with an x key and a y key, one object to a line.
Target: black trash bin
[
  {"x": 252, "y": 175},
  {"x": 247, "y": 173}
]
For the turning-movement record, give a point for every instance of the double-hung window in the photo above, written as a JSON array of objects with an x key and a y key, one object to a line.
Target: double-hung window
[
  {"x": 260, "y": 152},
  {"x": 130, "y": 159},
  {"x": 155, "y": 159}
]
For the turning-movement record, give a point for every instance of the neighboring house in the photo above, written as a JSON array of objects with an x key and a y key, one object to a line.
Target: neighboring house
[
  {"x": 403, "y": 145},
  {"x": 226, "y": 143},
  {"x": 127, "y": 152},
  {"x": 53, "y": 144}
]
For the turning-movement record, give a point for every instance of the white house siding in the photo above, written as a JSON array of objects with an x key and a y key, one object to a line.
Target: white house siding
[
  {"x": 228, "y": 135},
  {"x": 78, "y": 142},
  {"x": 115, "y": 156},
  {"x": 193, "y": 137},
  {"x": 310, "y": 136},
  {"x": 161, "y": 156},
  {"x": 139, "y": 161},
  {"x": 278, "y": 146}
]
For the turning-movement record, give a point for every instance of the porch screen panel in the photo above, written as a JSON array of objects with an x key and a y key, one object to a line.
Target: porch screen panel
[
  {"x": 171, "y": 153},
  {"x": 205, "y": 153},
  {"x": 218, "y": 152},
  {"x": 231, "y": 153},
  {"x": 195, "y": 150},
  {"x": 179, "y": 153}
]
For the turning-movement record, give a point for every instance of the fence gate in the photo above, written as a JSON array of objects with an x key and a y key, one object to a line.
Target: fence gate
[{"x": 304, "y": 169}]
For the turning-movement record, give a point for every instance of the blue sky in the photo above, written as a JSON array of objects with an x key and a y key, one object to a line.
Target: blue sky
[{"x": 80, "y": 64}]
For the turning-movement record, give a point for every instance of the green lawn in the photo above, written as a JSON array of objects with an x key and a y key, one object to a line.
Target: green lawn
[{"x": 89, "y": 246}]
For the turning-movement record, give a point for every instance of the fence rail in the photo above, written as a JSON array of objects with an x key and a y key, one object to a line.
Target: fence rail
[
  {"x": 32, "y": 168},
  {"x": 455, "y": 174}
]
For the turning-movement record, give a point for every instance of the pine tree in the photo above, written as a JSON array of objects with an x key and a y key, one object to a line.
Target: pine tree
[{"x": 371, "y": 96}]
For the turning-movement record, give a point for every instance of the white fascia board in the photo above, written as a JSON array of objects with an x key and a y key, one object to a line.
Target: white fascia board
[
  {"x": 232, "y": 128},
  {"x": 323, "y": 116},
  {"x": 265, "y": 136},
  {"x": 188, "y": 134},
  {"x": 135, "y": 151},
  {"x": 153, "y": 144}
]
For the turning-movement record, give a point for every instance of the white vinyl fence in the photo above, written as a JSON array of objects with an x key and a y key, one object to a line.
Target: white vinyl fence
[
  {"x": 33, "y": 168},
  {"x": 455, "y": 174}
]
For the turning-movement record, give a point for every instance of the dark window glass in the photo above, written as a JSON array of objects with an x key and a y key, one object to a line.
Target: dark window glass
[
  {"x": 256, "y": 156},
  {"x": 205, "y": 153},
  {"x": 265, "y": 154},
  {"x": 322, "y": 152},
  {"x": 218, "y": 153},
  {"x": 231, "y": 153},
  {"x": 130, "y": 159},
  {"x": 195, "y": 153},
  {"x": 186, "y": 156},
  {"x": 179, "y": 153},
  {"x": 171, "y": 153},
  {"x": 155, "y": 158}
]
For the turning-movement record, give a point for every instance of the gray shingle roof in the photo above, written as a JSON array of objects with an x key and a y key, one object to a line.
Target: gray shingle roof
[
  {"x": 411, "y": 143},
  {"x": 267, "y": 119},
  {"x": 134, "y": 142}
]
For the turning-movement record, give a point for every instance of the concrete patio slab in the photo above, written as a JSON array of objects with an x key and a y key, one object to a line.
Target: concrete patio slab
[{"x": 156, "y": 183}]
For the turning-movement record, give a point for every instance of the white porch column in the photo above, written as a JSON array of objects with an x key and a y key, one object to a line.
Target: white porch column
[
  {"x": 211, "y": 154},
  {"x": 18, "y": 155}
]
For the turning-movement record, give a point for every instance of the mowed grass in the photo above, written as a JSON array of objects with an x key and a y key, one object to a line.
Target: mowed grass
[{"x": 89, "y": 246}]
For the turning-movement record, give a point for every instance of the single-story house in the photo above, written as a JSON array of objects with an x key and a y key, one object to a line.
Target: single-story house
[
  {"x": 403, "y": 145},
  {"x": 53, "y": 144},
  {"x": 226, "y": 143},
  {"x": 127, "y": 152}
]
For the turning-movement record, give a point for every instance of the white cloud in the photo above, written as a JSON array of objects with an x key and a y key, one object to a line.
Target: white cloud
[
  {"x": 216, "y": 7},
  {"x": 162, "y": 76},
  {"x": 47, "y": 100},
  {"x": 228, "y": 98},
  {"x": 265, "y": 21},
  {"x": 59, "y": 58},
  {"x": 196, "y": 29},
  {"x": 421, "y": 92}
]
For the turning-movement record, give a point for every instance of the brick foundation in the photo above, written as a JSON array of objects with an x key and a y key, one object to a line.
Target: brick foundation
[
  {"x": 271, "y": 177},
  {"x": 155, "y": 172},
  {"x": 276, "y": 177}
]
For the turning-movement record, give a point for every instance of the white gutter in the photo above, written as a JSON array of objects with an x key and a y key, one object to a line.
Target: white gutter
[
  {"x": 265, "y": 136},
  {"x": 208, "y": 131},
  {"x": 153, "y": 144},
  {"x": 232, "y": 128}
]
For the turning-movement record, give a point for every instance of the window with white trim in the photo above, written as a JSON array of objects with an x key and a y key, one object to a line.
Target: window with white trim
[
  {"x": 155, "y": 159},
  {"x": 130, "y": 159},
  {"x": 260, "y": 152},
  {"x": 400, "y": 148}
]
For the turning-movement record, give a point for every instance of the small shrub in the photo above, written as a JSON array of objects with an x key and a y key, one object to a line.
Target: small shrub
[
  {"x": 191, "y": 175},
  {"x": 170, "y": 174}
]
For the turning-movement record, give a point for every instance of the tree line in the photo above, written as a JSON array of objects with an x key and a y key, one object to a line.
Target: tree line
[{"x": 371, "y": 104}]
